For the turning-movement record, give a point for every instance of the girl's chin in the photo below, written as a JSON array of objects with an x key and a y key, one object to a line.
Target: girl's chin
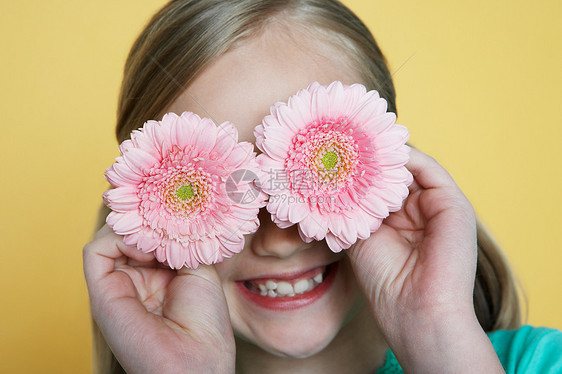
[
  {"x": 296, "y": 333},
  {"x": 292, "y": 343},
  {"x": 302, "y": 337},
  {"x": 305, "y": 329}
]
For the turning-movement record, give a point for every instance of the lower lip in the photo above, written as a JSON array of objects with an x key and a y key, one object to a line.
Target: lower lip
[{"x": 294, "y": 302}]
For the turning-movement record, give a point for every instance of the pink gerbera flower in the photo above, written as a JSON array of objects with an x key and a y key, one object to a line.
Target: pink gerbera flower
[
  {"x": 170, "y": 195},
  {"x": 335, "y": 160}
]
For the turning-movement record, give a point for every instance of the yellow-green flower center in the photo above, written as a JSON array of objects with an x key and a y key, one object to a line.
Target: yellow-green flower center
[
  {"x": 329, "y": 160},
  {"x": 323, "y": 158},
  {"x": 185, "y": 192}
]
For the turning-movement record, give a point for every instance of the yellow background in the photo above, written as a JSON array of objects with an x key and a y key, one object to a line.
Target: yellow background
[{"x": 479, "y": 86}]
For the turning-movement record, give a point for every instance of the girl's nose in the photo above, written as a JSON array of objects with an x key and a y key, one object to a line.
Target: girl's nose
[{"x": 270, "y": 240}]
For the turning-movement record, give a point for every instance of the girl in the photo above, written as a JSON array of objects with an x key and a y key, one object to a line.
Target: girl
[{"x": 427, "y": 292}]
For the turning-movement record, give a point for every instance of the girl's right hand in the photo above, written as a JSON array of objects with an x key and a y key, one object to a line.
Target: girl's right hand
[
  {"x": 418, "y": 273},
  {"x": 155, "y": 319}
]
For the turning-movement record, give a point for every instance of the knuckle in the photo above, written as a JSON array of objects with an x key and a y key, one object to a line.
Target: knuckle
[
  {"x": 431, "y": 160},
  {"x": 87, "y": 249}
]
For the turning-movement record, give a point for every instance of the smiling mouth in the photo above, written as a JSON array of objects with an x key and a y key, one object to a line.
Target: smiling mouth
[{"x": 276, "y": 288}]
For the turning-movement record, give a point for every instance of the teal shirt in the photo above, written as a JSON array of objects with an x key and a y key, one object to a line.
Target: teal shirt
[{"x": 525, "y": 350}]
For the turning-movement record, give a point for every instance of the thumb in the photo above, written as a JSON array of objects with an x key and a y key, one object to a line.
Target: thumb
[
  {"x": 377, "y": 260},
  {"x": 196, "y": 302},
  {"x": 378, "y": 253}
]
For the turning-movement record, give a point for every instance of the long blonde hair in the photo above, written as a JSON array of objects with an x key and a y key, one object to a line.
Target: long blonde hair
[{"x": 185, "y": 36}]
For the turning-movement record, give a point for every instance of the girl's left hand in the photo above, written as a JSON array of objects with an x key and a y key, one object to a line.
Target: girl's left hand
[{"x": 417, "y": 272}]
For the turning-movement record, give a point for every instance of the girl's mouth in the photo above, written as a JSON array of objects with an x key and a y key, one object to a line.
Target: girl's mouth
[
  {"x": 289, "y": 293},
  {"x": 287, "y": 288}
]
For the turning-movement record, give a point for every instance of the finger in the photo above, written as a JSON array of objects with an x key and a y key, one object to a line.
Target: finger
[
  {"x": 441, "y": 191},
  {"x": 129, "y": 329},
  {"x": 99, "y": 256},
  {"x": 195, "y": 298},
  {"x": 154, "y": 263},
  {"x": 440, "y": 203},
  {"x": 427, "y": 172}
]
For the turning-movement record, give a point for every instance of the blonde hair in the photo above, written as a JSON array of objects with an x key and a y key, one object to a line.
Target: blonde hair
[{"x": 185, "y": 36}]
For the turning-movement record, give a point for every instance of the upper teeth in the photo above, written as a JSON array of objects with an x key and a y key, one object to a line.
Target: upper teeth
[{"x": 282, "y": 288}]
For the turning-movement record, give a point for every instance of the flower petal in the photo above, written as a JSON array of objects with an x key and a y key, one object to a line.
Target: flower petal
[
  {"x": 335, "y": 243},
  {"x": 125, "y": 172},
  {"x": 259, "y": 135},
  {"x": 353, "y": 95},
  {"x": 397, "y": 175},
  {"x": 374, "y": 205},
  {"x": 125, "y": 223},
  {"x": 393, "y": 158},
  {"x": 162, "y": 137},
  {"x": 314, "y": 226},
  {"x": 115, "y": 179},
  {"x": 122, "y": 199},
  {"x": 304, "y": 238},
  {"x": 392, "y": 198},
  {"x": 383, "y": 122},
  {"x": 392, "y": 139},
  {"x": 275, "y": 149},
  {"x": 205, "y": 135},
  {"x": 320, "y": 107},
  {"x": 288, "y": 118},
  {"x": 181, "y": 131},
  {"x": 368, "y": 107},
  {"x": 175, "y": 254},
  {"x": 349, "y": 232},
  {"x": 225, "y": 141},
  {"x": 147, "y": 241},
  {"x": 298, "y": 210},
  {"x": 208, "y": 250},
  {"x": 139, "y": 160},
  {"x": 299, "y": 107},
  {"x": 336, "y": 97}
]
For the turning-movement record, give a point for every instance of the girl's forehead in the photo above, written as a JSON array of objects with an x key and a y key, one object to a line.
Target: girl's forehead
[{"x": 242, "y": 84}]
